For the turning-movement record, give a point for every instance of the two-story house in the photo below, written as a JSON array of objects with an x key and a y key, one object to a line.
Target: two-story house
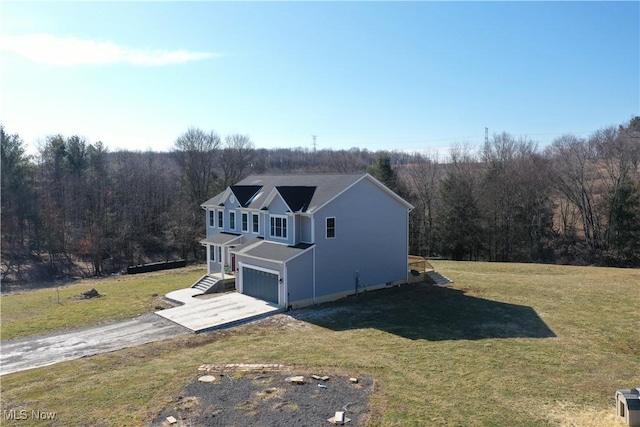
[{"x": 296, "y": 240}]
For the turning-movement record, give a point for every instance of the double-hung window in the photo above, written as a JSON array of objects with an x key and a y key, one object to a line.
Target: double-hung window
[
  {"x": 220, "y": 219},
  {"x": 245, "y": 221},
  {"x": 212, "y": 222},
  {"x": 255, "y": 219},
  {"x": 331, "y": 227},
  {"x": 212, "y": 255},
  {"x": 279, "y": 226},
  {"x": 232, "y": 220}
]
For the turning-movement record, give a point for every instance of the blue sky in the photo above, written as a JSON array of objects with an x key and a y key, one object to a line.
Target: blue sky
[{"x": 376, "y": 75}]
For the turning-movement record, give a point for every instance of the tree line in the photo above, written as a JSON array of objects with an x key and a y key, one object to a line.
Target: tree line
[
  {"x": 76, "y": 209},
  {"x": 576, "y": 201}
]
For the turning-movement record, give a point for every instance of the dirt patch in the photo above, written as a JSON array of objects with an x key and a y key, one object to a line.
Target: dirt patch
[{"x": 241, "y": 397}]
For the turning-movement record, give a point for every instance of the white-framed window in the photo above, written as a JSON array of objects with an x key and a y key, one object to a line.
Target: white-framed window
[
  {"x": 278, "y": 226},
  {"x": 212, "y": 219},
  {"x": 255, "y": 223},
  {"x": 232, "y": 220},
  {"x": 212, "y": 253},
  {"x": 331, "y": 227},
  {"x": 220, "y": 219},
  {"x": 245, "y": 221}
]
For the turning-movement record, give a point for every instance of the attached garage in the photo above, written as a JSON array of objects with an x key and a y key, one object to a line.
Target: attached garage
[{"x": 260, "y": 284}]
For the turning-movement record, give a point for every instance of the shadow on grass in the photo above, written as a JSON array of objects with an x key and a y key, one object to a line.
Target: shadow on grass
[{"x": 433, "y": 313}]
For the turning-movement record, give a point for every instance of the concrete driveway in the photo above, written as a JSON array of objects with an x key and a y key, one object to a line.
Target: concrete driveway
[
  {"x": 195, "y": 315},
  {"x": 20, "y": 355},
  {"x": 200, "y": 315}
]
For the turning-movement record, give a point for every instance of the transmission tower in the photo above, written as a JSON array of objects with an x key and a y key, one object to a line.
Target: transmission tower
[
  {"x": 314, "y": 142},
  {"x": 486, "y": 135}
]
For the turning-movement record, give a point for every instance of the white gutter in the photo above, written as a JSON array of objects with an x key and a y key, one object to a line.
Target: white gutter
[
  {"x": 285, "y": 286},
  {"x": 314, "y": 274}
]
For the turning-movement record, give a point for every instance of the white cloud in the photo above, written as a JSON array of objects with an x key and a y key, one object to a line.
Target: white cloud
[{"x": 58, "y": 51}]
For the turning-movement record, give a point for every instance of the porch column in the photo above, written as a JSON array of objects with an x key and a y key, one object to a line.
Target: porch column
[
  {"x": 208, "y": 259},
  {"x": 223, "y": 260}
]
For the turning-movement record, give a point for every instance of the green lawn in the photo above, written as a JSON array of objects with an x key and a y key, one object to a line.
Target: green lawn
[
  {"x": 507, "y": 345},
  {"x": 124, "y": 297}
]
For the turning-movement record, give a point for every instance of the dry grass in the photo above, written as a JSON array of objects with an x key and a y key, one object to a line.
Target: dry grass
[
  {"x": 52, "y": 309},
  {"x": 508, "y": 344}
]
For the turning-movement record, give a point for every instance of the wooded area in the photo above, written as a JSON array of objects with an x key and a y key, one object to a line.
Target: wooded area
[{"x": 76, "y": 209}]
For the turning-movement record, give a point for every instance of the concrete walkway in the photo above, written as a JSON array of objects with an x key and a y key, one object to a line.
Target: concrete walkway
[{"x": 199, "y": 315}]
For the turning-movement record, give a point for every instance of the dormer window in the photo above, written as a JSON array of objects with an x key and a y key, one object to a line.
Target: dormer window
[{"x": 278, "y": 226}]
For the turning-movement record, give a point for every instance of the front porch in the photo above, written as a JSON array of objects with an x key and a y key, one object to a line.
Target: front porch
[
  {"x": 215, "y": 283},
  {"x": 220, "y": 261}
]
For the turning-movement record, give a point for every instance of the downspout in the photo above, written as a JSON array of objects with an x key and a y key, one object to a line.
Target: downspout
[
  {"x": 285, "y": 287},
  {"x": 407, "y": 246},
  {"x": 294, "y": 229},
  {"x": 314, "y": 275},
  {"x": 222, "y": 261}
]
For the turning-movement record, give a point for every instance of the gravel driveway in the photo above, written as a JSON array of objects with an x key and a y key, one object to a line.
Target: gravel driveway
[{"x": 34, "y": 352}]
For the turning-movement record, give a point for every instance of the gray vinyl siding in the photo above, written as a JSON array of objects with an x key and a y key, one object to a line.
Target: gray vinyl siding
[
  {"x": 370, "y": 238},
  {"x": 247, "y": 262},
  {"x": 300, "y": 277},
  {"x": 278, "y": 206},
  {"x": 305, "y": 229},
  {"x": 232, "y": 207},
  {"x": 210, "y": 230},
  {"x": 298, "y": 228}
]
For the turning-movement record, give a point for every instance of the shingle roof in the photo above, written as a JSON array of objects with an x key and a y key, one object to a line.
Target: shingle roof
[
  {"x": 244, "y": 193},
  {"x": 271, "y": 251},
  {"x": 327, "y": 186},
  {"x": 220, "y": 238},
  {"x": 296, "y": 189},
  {"x": 298, "y": 197}
]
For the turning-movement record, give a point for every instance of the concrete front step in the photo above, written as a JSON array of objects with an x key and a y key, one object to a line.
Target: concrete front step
[
  {"x": 439, "y": 279},
  {"x": 212, "y": 284},
  {"x": 205, "y": 283}
]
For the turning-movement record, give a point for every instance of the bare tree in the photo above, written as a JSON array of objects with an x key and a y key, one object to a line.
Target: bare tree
[
  {"x": 574, "y": 178},
  {"x": 99, "y": 207},
  {"x": 516, "y": 198},
  {"x": 460, "y": 219},
  {"x": 617, "y": 153},
  {"x": 237, "y": 156},
  {"x": 196, "y": 152},
  {"x": 423, "y": 178}
]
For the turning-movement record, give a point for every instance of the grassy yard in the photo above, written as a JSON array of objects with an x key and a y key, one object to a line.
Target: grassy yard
[
  {"x": 507, "y": 345},
  {"x": 124, "y": 297}
]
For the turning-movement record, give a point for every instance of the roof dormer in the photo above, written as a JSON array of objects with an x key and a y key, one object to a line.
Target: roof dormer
[{"x": 295, "y": 198}]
